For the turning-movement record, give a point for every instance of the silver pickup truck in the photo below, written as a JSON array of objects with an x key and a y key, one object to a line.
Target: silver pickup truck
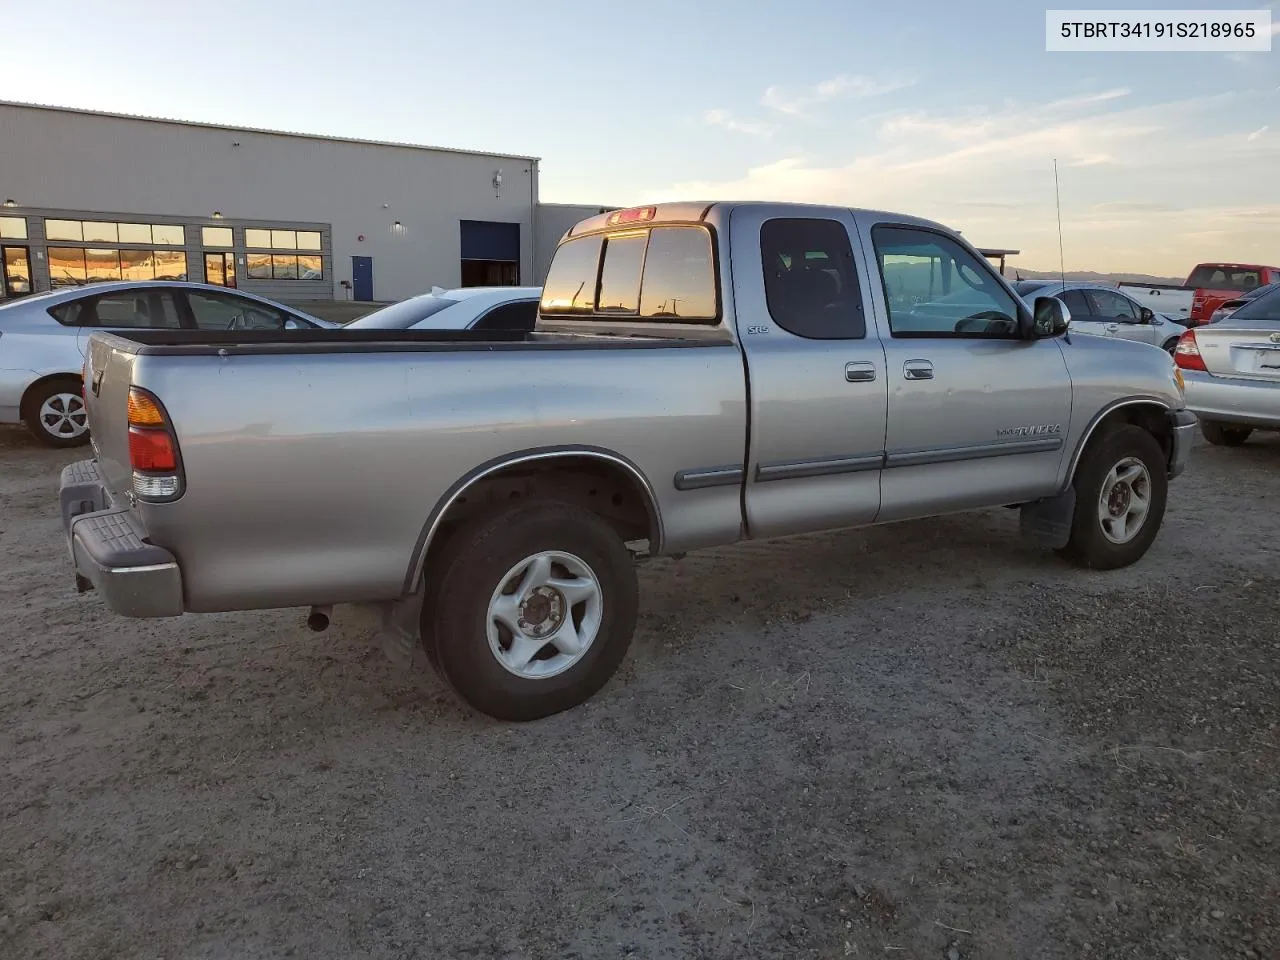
[{"x": 699, "y": 374}]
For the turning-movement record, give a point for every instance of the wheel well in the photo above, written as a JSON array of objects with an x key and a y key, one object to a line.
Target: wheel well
[
  {"x": 607, "y": 489},
  {"x": 24, "y": 406},
  {"x": 1151, "y": 417}
]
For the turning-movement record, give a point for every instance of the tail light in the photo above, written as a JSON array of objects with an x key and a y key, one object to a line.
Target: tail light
[
  {"x": 1197, "y": 307},
  {"x": 1186, "y": 355},
  {"x": 153, "y": 449}
]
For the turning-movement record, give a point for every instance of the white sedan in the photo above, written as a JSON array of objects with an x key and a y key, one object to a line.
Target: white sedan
[{"x": 466, "y": 308}]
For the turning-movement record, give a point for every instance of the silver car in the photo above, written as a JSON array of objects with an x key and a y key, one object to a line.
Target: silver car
[
  {"x": 1232, "y": 372},
  {"x": 1103, "y": 311},
  {"x": 1229, "y": 307},
  {"x": 466, "y": 308},
  {"x": 43, "y": 338}
]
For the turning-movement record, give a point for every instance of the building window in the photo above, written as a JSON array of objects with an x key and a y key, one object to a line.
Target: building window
[
  {"x": 97, "y": 231},
  {"x": 72, "y": 266},
  {"x": 15, "y": 265},
  {"x": 283, "y": 266},
  {"x": 216, "y": 236},
  {"x": 262, "y": 239},
  {"x": 13, "y": 228}
]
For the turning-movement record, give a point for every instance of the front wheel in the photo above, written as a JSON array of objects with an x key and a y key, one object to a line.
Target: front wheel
[
  {"x": 1222, "y": 435},
  {"x": 533, "y": 610},
  {"x": 1121, "y": 488}
]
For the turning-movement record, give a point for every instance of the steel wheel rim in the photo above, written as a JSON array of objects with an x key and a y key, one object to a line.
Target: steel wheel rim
[
  {"x": 544, "y": 615},
  {"x": 64, "y": 416},
  {"x": 1125, "y": 500}
]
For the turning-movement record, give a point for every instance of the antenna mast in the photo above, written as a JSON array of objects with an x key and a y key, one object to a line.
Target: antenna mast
[{"x": 1057, "y": 199}]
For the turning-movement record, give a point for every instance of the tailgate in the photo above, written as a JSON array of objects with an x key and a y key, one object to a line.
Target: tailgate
[
  {"x": 1242, "y": 348},
  {"x": 109, "y": 363}
]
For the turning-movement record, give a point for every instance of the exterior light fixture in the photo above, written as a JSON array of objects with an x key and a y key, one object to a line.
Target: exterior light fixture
[
  {"x": 10, "y": 202},
  {"x": 217, "y": 214}
]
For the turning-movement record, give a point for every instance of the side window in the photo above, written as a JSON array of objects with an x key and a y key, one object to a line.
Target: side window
[
  {"x": 1111, "y": 305},
  {"x": 510, "y": 316},
  {"x": 214, "y": 311},
  {"x": 1076, "y": 303},
  {"x": 679, "y": 276},
  {"x": 139, "y": 310},
  {"x": 810, "y": 281},
  {"x": 934, "y": 287},
  {"x": 570, "y": 286}
]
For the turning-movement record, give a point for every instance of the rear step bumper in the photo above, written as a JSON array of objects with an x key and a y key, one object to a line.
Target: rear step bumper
[{"x": 109, "y": 549}]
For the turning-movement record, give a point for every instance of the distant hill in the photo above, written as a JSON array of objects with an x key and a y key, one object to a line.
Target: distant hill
[{"x": 1011, "y": 271}]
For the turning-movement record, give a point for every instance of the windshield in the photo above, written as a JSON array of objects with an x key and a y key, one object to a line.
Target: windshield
[
  {"x": 1266, "y": 307},
  {"x": 1221, "y": 277},
  {"x": 403, "y": 315}
]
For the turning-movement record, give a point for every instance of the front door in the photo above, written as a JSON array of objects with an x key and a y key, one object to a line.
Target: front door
[
  {"x": 362, "y": 278},
  {"x": 977, "y": 415},
  {"x": 15, "y": 271},
  {"x": 220, "y": 269},
  {"x": 1121, "y": 316},
  {"x": 816, "y": 370}
]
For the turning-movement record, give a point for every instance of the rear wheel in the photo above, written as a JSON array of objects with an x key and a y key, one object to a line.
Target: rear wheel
[
  {"x": 1121, "y": 487},
  {"x": 55, "y": 414},
  {"x": 531, "y": 610},
  {"x": 1223, "y": 435},
  {"x": 1170, "y": 346}
]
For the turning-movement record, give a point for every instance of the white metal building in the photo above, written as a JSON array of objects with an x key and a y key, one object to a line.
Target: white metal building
[{"x": 92, "y": 196}]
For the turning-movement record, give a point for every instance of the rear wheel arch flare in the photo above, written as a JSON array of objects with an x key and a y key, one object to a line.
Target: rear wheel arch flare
[{"x": 623, "y": 495}]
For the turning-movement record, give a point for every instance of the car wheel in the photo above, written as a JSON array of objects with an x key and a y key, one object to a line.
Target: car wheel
[
  {"x": 55, "y": 414},
  {"x": 1170, "y": 346},
  {"x": 1121, "y": 488},
  {"x": 1222, "y": 435},
  {"x": 533, "y": 610}
]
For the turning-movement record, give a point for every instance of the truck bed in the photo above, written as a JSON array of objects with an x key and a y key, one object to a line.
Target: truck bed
[{"x": 314, "y": 460}]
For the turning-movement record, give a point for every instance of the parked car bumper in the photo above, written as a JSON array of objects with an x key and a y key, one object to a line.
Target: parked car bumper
[
  {"x": 1253, "y": 403},
  {"x": 13, "y": 384},
  {"x": 109, "y": 551},
  {"x": 1183, "y": 423}
]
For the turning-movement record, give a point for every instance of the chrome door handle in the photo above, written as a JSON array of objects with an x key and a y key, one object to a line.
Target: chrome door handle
[
  {"x": 860, "y": 372},
  {"x": 917, "y": 370}
]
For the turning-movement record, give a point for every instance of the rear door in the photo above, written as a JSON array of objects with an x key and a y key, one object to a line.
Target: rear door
[
  {"x": 816, "y": 371},
  {"x": 1084, "y": 315},
  {"x": 1118, "y": 314},
  {"x": 977, "y": 415},
  {"x": 146, "y": 308}
]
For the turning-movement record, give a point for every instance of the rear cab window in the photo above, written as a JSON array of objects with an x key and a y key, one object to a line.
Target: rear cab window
[
  {"x": 1221, "y": 276},
  {"x": 663, "y": 274}
]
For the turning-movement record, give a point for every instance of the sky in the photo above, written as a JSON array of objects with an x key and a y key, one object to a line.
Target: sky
[{"x": 947, "y": 110}]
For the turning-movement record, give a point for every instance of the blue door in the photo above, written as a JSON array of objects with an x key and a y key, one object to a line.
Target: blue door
[{"x": 362, "y": 278}]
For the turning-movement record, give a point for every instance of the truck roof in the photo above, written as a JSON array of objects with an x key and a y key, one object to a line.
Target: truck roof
[{"x": 696, "y": 211}]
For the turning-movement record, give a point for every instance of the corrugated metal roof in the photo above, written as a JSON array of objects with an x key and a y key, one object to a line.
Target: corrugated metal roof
[{"x": 274, "y": 133}]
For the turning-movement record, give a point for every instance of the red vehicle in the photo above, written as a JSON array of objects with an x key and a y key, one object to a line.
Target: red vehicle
[{"x": 1216, "y": 283}]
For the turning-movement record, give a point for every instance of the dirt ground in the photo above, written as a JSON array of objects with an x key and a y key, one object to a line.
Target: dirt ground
[{"x": 927, "y": 740}]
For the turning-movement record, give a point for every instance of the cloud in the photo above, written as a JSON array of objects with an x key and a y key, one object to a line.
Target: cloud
[
  {"x": 723, "y": 118},
  {"x": 844, "y": 86},
  {"x": 1071, "y": 103},
  {"x": 1128, "y": 202},
  {"x": 1257, "y": 134}
]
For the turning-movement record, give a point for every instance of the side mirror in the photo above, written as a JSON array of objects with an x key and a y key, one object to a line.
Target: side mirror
[
  {"x": 1147, "y": 315},
  {"x": 1050, "y": 318}
]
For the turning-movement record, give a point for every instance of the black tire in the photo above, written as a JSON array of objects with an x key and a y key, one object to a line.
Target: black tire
[
  {"x": 1170, "y": 346},
  {"x": 1223, "y": 435},
  {"x": 48, "y": 434},
  {"x": 473, "y": 564},
  {"x": 1089, "y": 546}
]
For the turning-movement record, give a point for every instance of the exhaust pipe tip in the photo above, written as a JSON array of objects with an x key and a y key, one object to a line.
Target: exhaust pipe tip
[{"x": 318, "y": 618}]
